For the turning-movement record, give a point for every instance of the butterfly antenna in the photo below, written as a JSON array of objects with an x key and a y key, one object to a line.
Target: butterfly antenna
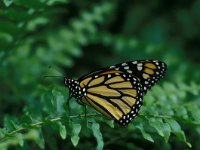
[
  {"x": 54, "y": 76},
  {"x": 85, "y": 107}
]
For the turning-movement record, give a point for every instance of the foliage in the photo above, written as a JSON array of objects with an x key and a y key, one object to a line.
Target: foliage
[{"x": 76, "y": 37}]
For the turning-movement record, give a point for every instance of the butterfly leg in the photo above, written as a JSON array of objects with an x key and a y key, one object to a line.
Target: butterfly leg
[
  {"x": 79, "y": 102},
  {"x": 86, "y": 116},
  {"x": 85, "y": 110},
  {"x": 85, "y": 106},
  {"x": 68, "y": 106}
]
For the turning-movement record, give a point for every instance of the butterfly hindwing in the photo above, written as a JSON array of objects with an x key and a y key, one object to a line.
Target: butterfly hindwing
[
  {"x": 115, "y": 94},
  {"x": 148, "y": 72}
]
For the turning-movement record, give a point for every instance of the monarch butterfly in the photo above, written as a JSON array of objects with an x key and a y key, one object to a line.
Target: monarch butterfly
[{"x": 117, "y": 91}]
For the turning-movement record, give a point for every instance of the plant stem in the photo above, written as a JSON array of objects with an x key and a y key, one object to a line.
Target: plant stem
[{"x": 41, "y": 123}]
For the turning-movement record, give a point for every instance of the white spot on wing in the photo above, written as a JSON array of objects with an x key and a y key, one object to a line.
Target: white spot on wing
[
  {"x": 145, "y": 88},
  {"x": 116, "y": 68},
  {"x": 126, "y": 68},
  {"x": 124, "y": 64},
  {"x": 129, "y": 71},
  {"x": 112, "y": 67},
  {"x": 134, "y": 62},
  {"x": 145, "y": 76},
  {"x": 139, "y": 68}
]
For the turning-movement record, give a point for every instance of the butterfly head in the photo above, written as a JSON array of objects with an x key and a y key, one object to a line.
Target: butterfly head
[{"x": 74, "y": 87}]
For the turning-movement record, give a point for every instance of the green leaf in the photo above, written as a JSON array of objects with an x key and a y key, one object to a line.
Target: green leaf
[
  {"x": 26, "y": 119},
  {"x": 10, "y": 124},
  {"x": 181, "y": 111},
  {"x": 157, "y": 124},
  {"x": 63, "y": 131},
  {"x": 76, "y": 128},
  {"x": 5, "y": 38},
  {"x": 97, "y": 134},
  {"x": 174, "y": 126},
  {"x": 169, "y": 87},
  {"x": 194, "y": 88},
  {"x": 75, "y": 139},
  {"x": 20, "y": 139},
  {"x": 34, "y": 23},
  {"x": 59, "y": 100},
  {"x": 8, "y": 2},
  {"x": 176, "y": 129},
  {"x": 52, "y": 2},
  {"x": 48, "y": 100},
  {"x": 167, "y": 131},
  {"x": 108, "y": 122},
  {"x": 3, "y": 131},
  {"x": 40, "y": 139},
  {"x": 144, "y": 134},
  {"x": 194, "y": 110},
  {"x": 162, "y": 128}
]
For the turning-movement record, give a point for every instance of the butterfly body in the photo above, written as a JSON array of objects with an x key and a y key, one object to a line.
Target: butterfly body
[{"x": 117, "y": 91}]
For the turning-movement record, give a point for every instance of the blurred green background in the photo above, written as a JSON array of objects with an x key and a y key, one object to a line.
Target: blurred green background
[{"x": 77, "y": 37}]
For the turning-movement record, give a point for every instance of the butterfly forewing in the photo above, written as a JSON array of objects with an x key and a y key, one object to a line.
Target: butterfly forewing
[
  {"x": 115, "y": 94},
  {"x": 117, "y": 91}
]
